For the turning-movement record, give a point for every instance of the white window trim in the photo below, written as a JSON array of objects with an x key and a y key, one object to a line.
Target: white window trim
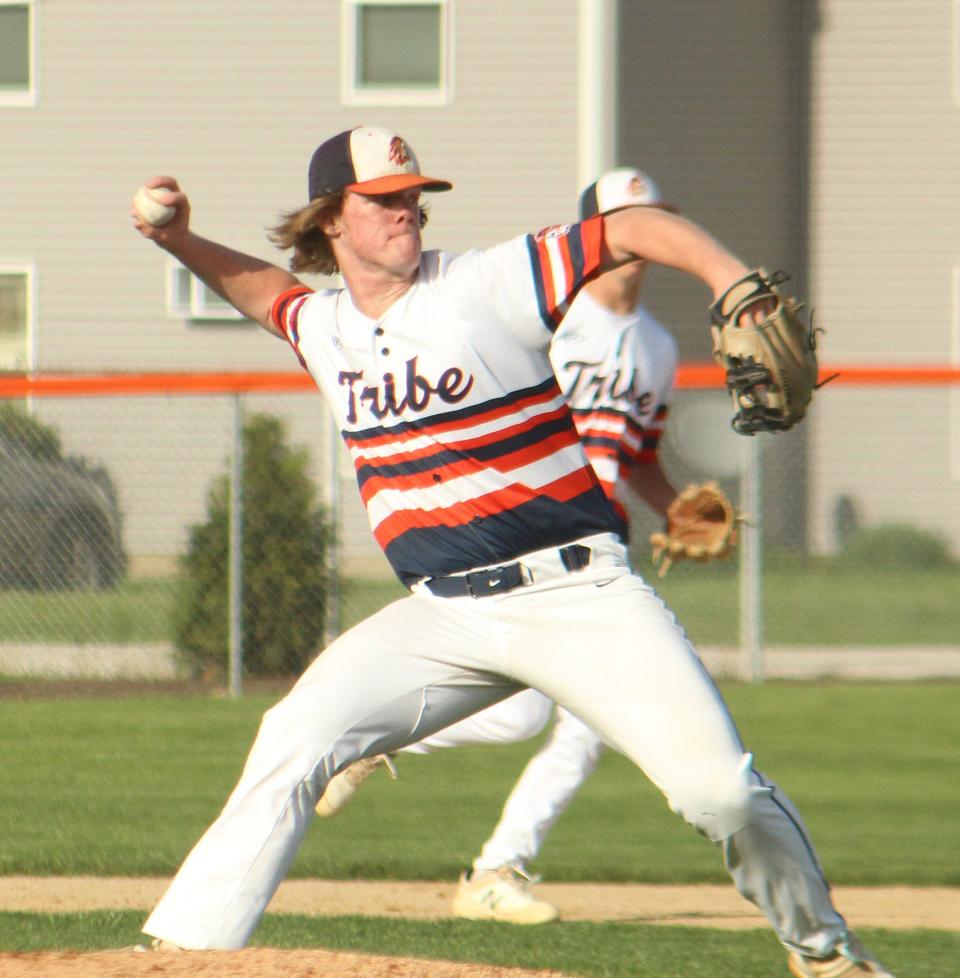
[
  {"x": 351, "y": 94},
  {"x": 28, "y": 268},
  {"x": 29, "y": 96},
  {"x": 192, "y": 306}
]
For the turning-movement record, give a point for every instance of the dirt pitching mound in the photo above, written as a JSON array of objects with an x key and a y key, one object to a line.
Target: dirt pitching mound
[{"x": 250, "y": 963}]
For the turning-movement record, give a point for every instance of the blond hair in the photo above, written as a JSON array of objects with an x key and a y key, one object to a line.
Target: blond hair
[{"x": 302, "y": 231}]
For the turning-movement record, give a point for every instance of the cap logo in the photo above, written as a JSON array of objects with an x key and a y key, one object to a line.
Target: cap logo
[
  {"x": 398, "y": 152},
  {"x": 636, "y": 187}
]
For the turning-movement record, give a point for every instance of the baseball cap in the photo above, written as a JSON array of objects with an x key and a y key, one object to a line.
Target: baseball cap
[
  {"x": 367, "y": 161},
  {"x": 623, "y": 187}
]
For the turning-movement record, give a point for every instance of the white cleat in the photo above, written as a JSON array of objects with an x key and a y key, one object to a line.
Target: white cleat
[
  {"x": 157, "y": 945},
  {"x": 501, "y": 894},
  {"x": 343, "y": 786}
]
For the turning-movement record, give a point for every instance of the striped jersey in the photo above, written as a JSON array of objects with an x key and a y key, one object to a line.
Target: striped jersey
[
  {"x": 465, "y": 452},
  {"x": 617, "y": 373}
]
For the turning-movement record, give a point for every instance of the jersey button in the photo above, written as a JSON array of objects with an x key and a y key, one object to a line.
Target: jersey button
[
  {"x": 378, "y": 331},
  {"x": 385, "y": 351}
]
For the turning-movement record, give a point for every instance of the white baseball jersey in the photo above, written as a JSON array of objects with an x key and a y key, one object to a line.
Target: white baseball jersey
[
  {"x": 617, "y": 374},
  {"x": 465, "y": 451}
]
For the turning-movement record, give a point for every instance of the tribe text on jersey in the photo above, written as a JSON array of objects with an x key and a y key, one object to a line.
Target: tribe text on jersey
[
  {"x": 464, "y": 449},
  {"x": 617, "y": 373}
]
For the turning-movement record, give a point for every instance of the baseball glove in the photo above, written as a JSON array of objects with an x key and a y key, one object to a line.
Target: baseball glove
[
  {"x": 771, "y": 368},
  {"x": 701, "y": 526}
]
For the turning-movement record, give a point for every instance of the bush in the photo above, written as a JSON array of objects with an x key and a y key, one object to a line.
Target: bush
[
  {"x": 895, "y": 545},
  {"x": 286, "y": 583}
]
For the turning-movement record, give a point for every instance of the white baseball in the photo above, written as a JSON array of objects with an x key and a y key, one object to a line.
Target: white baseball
[{"x": 150, "y": 209}]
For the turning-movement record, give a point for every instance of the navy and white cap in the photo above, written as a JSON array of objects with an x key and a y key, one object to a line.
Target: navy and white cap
[
  {"x": 624, "y": 187},
  {"x": 366, "y": 161}
]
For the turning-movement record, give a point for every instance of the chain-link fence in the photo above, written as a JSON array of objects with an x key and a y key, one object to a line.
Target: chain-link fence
[{"x": 180, "y": 534}]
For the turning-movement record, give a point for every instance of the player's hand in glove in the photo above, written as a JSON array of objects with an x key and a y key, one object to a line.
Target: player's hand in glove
[
  {"x": 771, "y": 364},
  {"x": 701, "y": 526}
]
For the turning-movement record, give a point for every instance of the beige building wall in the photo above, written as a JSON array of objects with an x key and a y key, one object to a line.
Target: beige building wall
[
  {"x": 232, "y": 97},
  {"x": 884, "y": 254}
]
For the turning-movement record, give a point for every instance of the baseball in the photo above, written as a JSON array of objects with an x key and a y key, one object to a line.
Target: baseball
[{"x": 150, "y": 209}]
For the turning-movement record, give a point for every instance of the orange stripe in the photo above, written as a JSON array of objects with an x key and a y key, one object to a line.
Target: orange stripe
[
  {"x": 146, "y": 384},
  {"x": 469, "y": 466},
  {"x": 437, "y": 428},
  {"x": 397, "y": 523},
  {"x": 549, "y": 286},
  {"x": 693, "y": 375},
  {"x": 689, "y": 375}
]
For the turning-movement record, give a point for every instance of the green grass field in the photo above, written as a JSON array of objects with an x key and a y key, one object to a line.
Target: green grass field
[
  {"x": 834, "y": 606},
  {"x": 125, "y": 786}
]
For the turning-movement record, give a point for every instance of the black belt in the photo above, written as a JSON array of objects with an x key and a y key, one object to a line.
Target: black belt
[{"x": 497, "y": 580}]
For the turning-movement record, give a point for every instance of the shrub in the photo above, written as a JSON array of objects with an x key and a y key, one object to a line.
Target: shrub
[
  {"x": 895, "y": 545},
  {"x": 286, "y": 583}
]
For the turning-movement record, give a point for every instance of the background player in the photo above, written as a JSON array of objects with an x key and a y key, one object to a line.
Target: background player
[
  {"x": 616, "y": 367},
  {"x": 479, "y": 492}
]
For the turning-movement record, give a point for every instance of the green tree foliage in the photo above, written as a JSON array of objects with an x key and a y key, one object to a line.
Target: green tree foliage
[
  {"x": 286, "y": 582},
  {"x": 28, "y": 435}
]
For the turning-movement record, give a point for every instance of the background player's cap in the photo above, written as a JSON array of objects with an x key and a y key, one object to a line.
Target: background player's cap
[
  {"x": 621, "y": 188},
  {"x": 367, "y": 161}
]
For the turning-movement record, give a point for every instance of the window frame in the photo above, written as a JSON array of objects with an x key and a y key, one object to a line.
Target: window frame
[
  {"x": 29, "y": 270},
  {"x": 27, "y": 97},
  {"x": 352, "y": 93},
  {"x": 186, "y": 299}
]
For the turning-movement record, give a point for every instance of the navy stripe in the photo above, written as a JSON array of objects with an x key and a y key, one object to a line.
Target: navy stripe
[
  {"x": 500, "y": 538},
  {"x": 594, "y": 441},
  {"x": 448, "y": 456},
  {"x": 575, "y": 239},
  {"x": 649, "y": 442},
  {"x": 538, "y": 285},
  {"x": 460, "y": 414}
]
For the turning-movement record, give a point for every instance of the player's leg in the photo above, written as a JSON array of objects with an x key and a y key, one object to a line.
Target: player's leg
[
  {"x": 380, "y": 686},
  {"x": 643, "y": 689},
  {"x": 541, "y": 795},
  {"x": 515, "y": 719},
  {"x": 498, "y": 887}
]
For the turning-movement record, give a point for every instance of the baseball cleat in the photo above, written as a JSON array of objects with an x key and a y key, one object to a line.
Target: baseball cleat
[
  {"x": 157, "y": 944},
  {"x": 343, "y": 786},
  {"x": 501, "y": 894},
  {"x": 850, "y": 960}
]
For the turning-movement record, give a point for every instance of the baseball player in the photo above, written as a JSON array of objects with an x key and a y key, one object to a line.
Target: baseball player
[
  {"x": 616, "y": 366},
  {"x": 480, "y": 494}
]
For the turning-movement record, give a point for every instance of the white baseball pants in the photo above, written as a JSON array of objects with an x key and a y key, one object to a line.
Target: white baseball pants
[
  {"x": 599, "y": 642},
  {"x": 548, "y": 783}
]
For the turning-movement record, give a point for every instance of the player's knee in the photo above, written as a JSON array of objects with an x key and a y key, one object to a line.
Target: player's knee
[{"x": 721, "y": 803}]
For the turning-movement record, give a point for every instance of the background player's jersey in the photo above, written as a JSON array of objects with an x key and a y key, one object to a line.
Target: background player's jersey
[
  {"x": 465, "y": 451},
  {"x": 617, "y": 373}
]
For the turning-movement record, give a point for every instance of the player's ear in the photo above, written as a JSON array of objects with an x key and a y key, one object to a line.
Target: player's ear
[{"x": 329, "y": 224}]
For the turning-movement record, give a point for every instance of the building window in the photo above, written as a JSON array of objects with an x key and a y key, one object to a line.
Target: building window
[
  {"x": 16, "y": 53},
  {"x": 15, "y": 318},
  {"x": 189, "y": 298},
  {"x": 396, "y": 52}
]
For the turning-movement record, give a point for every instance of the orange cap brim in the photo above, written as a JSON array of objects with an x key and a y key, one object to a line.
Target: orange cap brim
[{"x": 396, "y": 182}]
